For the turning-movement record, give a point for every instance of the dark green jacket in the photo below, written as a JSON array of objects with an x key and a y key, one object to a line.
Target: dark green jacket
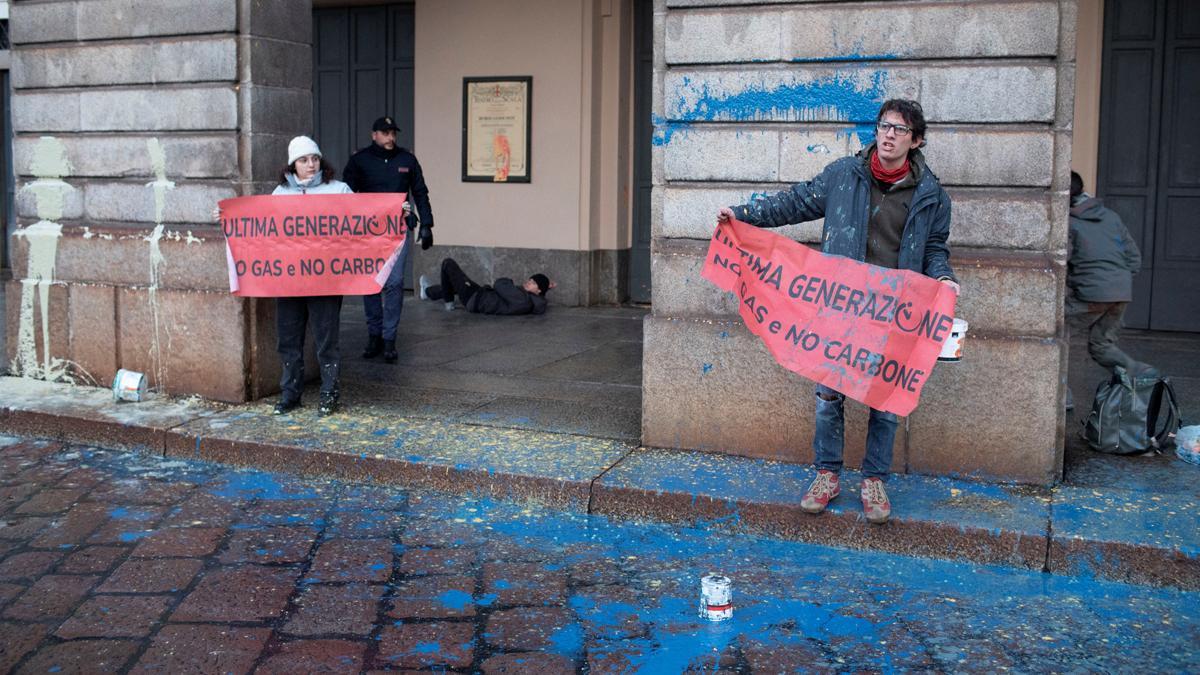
[
  {"x": 1104, "y": 257},
  {"x": 841, "y": 194}
]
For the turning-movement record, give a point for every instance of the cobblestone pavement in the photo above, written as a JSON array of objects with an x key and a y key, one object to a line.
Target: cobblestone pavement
[{"x": 113, "y": 562}]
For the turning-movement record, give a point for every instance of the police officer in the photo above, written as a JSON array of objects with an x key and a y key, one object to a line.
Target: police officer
[{"x": 384, "y": 167}]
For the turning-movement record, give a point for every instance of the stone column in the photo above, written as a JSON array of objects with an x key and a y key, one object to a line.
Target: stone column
[
  {"x": 751, "y": 99},
  {"x": 131, "y": 121}
]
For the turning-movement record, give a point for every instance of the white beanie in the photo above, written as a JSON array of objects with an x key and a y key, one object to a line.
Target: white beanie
[{"x": 302, "y": 146}]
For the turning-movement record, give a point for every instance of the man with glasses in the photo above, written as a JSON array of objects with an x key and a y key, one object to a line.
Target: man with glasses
[{"x": 885, "y": 207}]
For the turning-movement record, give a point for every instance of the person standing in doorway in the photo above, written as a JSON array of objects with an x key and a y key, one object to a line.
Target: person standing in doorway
[
  {"x": 1100, "y": 272},
  {"x": 885, "y": 207},
  {"x": 384, "y": 167}
]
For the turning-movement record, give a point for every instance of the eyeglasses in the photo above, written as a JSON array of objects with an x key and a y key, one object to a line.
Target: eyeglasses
[{"x": 900, "y": 129}]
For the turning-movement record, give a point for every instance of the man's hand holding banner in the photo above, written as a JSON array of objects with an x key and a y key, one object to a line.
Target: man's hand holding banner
[
  {"x": 294, "y": 245},
  {"x": 871, "y": 333}
]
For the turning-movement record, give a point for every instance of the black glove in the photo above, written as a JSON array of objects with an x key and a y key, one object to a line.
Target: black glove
[{"x": 426, "y": 236}]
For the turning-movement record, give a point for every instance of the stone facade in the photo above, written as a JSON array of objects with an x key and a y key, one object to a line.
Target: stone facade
[
  {"x": 131, "y": 121},
  {"x": 752, "y": 96}
]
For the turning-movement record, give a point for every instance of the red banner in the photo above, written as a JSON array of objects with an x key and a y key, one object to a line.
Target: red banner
[
  {"x": 869, "y": 332},
  {"x": 332, "y": 244}
]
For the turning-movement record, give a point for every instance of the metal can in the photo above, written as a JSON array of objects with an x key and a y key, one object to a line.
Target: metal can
[
  {"x": 129, "y": 385},
  {"x": 716, "y": 597}
]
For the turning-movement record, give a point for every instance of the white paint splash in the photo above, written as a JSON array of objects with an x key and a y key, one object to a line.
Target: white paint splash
[
  {"x": 49, "y": 165},
  {"x": 160, "y": 185}
]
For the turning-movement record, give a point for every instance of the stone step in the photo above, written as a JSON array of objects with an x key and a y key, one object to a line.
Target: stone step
[{"x": 1126, "y": 535}]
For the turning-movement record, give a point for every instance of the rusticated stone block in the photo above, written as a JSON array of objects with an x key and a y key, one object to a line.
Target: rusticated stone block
[
  {"x": 1016, "y": 158},
  {"x": 703, "y": 365},
  {"x": 995, "y": 414},
  {"x": 276, "y": 110},
  {"x": 1009, "y": 294},
  {"x": 853, "y": 93},
  {"x": 273, "y": 63},
  {"x": 93, "y": 331},
  {"x": 131, "y": 18},
  {"x": 125, "y": 63},
  {"x": 136, "y": 202},
  {"x": 25, "y": 317},
  {"x": 861, "y": 32},
  {"x": 43, "y": 198},
  {"x": 983, "y": 217},
  {"x": 200, "y": 108},
  {"x": 187, "y": 342},
  {"x": 289, "y": 20},
  {"x": 127, "y": 156}
]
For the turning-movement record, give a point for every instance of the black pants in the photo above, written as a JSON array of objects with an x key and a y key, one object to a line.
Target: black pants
[
  {"x": 455, "y": 283},
  {"x": 292, "y": 315}
]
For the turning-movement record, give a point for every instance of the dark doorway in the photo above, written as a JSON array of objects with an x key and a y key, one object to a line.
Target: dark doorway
[
  {"x": 643, "y": 131},
  {"x": 1149, "y": 163},
  {"x": 362, "y": 69}
]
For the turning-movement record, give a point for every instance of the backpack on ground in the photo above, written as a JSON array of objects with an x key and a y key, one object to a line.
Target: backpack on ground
[{"x": 1132, "y": 413}]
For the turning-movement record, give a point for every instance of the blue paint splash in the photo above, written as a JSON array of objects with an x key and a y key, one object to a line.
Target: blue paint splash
[
  {"x": 664, "y": 130},
  {"x": 839, "y": 97}
]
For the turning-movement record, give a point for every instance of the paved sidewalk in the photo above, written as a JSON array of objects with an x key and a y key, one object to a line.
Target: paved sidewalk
[
  {"x": 1133, "y": 532},
  {"x": 116, "y": 562}
]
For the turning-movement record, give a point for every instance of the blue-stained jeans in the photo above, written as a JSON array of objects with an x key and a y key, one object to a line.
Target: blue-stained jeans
[
  {"x": 383, "y": 309},
  {"x": 830, "y": 436}
]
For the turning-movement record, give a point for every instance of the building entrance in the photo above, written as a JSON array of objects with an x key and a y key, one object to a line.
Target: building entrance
[{"x": 1149, "y": 163}]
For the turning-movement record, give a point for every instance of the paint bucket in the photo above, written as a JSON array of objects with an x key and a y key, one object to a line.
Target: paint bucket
[
  {"x": 716, "y": 597},
  {"x": 129, "y": 385},
  {"x": 952, "y": 347}
]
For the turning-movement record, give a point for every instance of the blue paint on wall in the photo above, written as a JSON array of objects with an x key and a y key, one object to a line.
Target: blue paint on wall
[
  {"x": 664, "y": 130},
  {"x": 838, "y": 97}
]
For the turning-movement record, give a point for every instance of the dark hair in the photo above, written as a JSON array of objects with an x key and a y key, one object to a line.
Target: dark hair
[
  {"x": 327, "y": 171},
  {"x": 910, "y": 110},
  {"x": 1076, "y": 185}
]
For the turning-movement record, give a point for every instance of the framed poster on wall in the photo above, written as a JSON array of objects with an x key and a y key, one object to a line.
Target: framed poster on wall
[{"x": 496, "y": 129}]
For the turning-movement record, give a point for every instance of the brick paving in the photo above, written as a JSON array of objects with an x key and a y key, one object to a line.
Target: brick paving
[{"x": 120, "y": 562}]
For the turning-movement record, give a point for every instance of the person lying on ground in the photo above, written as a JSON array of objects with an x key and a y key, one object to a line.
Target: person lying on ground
[{"x": 502, "y": 297}]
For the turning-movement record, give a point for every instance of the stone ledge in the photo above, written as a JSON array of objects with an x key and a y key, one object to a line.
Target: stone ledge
[{"x": 934, "y": 517}]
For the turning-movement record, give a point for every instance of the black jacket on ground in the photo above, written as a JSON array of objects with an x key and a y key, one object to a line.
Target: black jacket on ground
[
  {"x": 505, "y": 298},
  {"x": 374, "y": 169}
]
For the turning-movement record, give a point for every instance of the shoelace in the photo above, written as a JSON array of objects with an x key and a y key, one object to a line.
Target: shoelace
[
  {"x": 823, "y": 487},
  {"x": 875, "y": 493}
]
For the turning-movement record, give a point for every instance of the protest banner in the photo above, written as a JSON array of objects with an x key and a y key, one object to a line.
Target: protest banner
[
  {"x": 293, "y": 245},
  {"x": 868, "y": 332}
]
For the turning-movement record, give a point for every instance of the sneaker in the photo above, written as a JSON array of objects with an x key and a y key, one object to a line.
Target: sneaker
[
  {"x": 449, "y": 306},
  {"x": 425, "y": 283},
  {"x": 285, "y": 407},
  {"x": 328, "y": 406},
  {"x": 824, "y": 489},
  {"x": 876, "y": 506}
]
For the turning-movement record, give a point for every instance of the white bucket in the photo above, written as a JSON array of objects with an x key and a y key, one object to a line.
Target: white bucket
[
  {"x": 952, "y": 347},
  {"x": 716, "y": 597},
  {"x": 129, "y": 385}
]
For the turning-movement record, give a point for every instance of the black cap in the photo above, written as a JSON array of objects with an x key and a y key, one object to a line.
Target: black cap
[
  {"x": 384, "y": 124},
  {"x": 543, "y": 283}
]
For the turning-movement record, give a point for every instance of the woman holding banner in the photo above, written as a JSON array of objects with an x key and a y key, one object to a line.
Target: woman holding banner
[
  {"x": 884, "y": 207},
  {"x": 307, "y": 172}
]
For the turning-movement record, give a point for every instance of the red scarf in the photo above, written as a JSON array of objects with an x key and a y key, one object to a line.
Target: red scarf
[{"x": 887, "y": 175}]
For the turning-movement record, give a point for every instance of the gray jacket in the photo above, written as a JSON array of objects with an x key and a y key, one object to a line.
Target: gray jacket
[
  {"x": 841, "y": 194},
  {"x": 1104, "y": 256}
]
